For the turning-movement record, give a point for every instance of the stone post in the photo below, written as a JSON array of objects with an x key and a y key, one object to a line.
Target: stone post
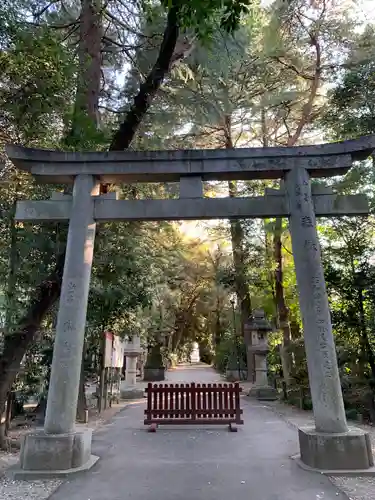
[
  {"x": 261, "y": 379},
  {"x": 320, "y": 447},
  {"x": 132, "y": 350},
  {"x": 60, "y": 447},
  {"x": 131, "y": 370},
  {"x": 250, "y": 358},
  {"x": 154, "y": 370},
  {"x": 259, "y": 329}
]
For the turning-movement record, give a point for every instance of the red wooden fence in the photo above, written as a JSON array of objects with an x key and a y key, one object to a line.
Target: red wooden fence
[{"x": 171, "y": 404}]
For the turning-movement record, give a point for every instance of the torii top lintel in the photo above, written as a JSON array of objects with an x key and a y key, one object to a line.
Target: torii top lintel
[{"x": 59, "y": 167}]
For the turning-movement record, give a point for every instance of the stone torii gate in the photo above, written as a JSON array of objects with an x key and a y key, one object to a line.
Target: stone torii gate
[{"x": 61, "y": 448}]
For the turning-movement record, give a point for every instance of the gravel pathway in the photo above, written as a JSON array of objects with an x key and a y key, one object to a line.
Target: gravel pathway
[
  {"x": 22, "y": 490},
  {"x": 357, "y": 488}
]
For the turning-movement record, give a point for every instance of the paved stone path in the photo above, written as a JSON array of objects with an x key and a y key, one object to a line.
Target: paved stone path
[{"x": 197, "y": 464}]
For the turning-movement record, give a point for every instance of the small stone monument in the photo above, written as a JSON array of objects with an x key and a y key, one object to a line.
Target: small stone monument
[
  {"x": 195, "y": 356},
  {"x": 154, "y": 370},
  {"x": 132, "y": 350},
  {"x": 259, "y": 328}
]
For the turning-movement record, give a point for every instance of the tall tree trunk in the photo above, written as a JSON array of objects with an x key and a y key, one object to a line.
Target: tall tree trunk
[
  {"x": 366, "y": 346},
  {"x": 305, "y": 118},
  {"x": 237, "y": 240},
  {"x": 10, "y": 295},
  {"x": 3, "y": 433},
  {"x": 217, "y": 331},
  {"x": 369, "y": 355},
  {"x": 282, "y": 309},
  {"x": 17, "y": 343},
  {"x": 86, "y": 107},
  {"x": 48, "y": 292}
]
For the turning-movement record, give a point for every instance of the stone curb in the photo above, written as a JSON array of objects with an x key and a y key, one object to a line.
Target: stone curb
[
  {"x": 347, "y": 473},
  {"x": 18, "y": 474}
]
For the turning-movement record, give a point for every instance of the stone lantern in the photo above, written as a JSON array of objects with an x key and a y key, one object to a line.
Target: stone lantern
[
  {"x": 132, "y": 350},
  {"x": 259, "y": 329}
]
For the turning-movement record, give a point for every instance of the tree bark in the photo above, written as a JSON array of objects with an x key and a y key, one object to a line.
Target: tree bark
[
  {"x": 5, "y": 420},
  {"x": 282, "y": 309},
  {"x": 10, "y": 294},
  {"x": 9, "y": 307},
  {"x": 85, "y": 120},
  {"x": 3, "y": 435},
  {"x": 367, "y": 349},
  {"x": 17, "y": 342},
  {"x": 242, "y": 287},
  {"x": 90, "y": 60},
  {"x": 237, "y": 240}
]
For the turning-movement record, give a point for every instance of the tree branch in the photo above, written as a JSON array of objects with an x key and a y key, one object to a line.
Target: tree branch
[
  {"x": 292, "y": 67},
  {"x": 148, "y": 89},
  {"x": 45, "y": 8},
  {"x": 111, "y": 110},
  {"x": 308, "y": 107}
]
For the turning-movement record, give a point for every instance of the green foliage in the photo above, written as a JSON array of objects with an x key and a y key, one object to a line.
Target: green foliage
[
  {"x": 34, "y": 378},
  {"x": 36, "y": 72},
  {"x": 352, "y": 104},
  {"x": 201, "y": 16},
  {"x": 230, "y": 354},
  {"x": 205, "y": 353},
  {"x": 351, "y": 110}
]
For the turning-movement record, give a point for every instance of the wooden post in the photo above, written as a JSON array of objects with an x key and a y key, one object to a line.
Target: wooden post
[
  {"x": 285, "y": 390},
  {"x": 102, "y": 374},
  {"x": 193, "y": 401}
]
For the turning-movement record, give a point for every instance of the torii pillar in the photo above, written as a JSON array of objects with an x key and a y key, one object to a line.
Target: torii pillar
[
  {"x": 330, "y": 444},
  {"x": 60, "y": 447}
]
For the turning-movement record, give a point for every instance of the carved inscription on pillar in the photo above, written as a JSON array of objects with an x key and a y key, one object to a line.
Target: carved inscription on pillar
[
  {"x": 319, "y": 344},
  {"x": 71, "y": 292},
  {"x": 318, "y": 296}
]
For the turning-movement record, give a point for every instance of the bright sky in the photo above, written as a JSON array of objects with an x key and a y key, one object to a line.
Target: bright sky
[{"x": 365, "y": 9}]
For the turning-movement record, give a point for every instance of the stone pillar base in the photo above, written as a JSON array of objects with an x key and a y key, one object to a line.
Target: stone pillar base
[
  {"x": 266, "y": 393},
  {"x": 345, "y": 451},
  {"x": 131, "y": 393},
  {"x": 232, "y": 375},
  {"x": 44, "y": 455}
]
